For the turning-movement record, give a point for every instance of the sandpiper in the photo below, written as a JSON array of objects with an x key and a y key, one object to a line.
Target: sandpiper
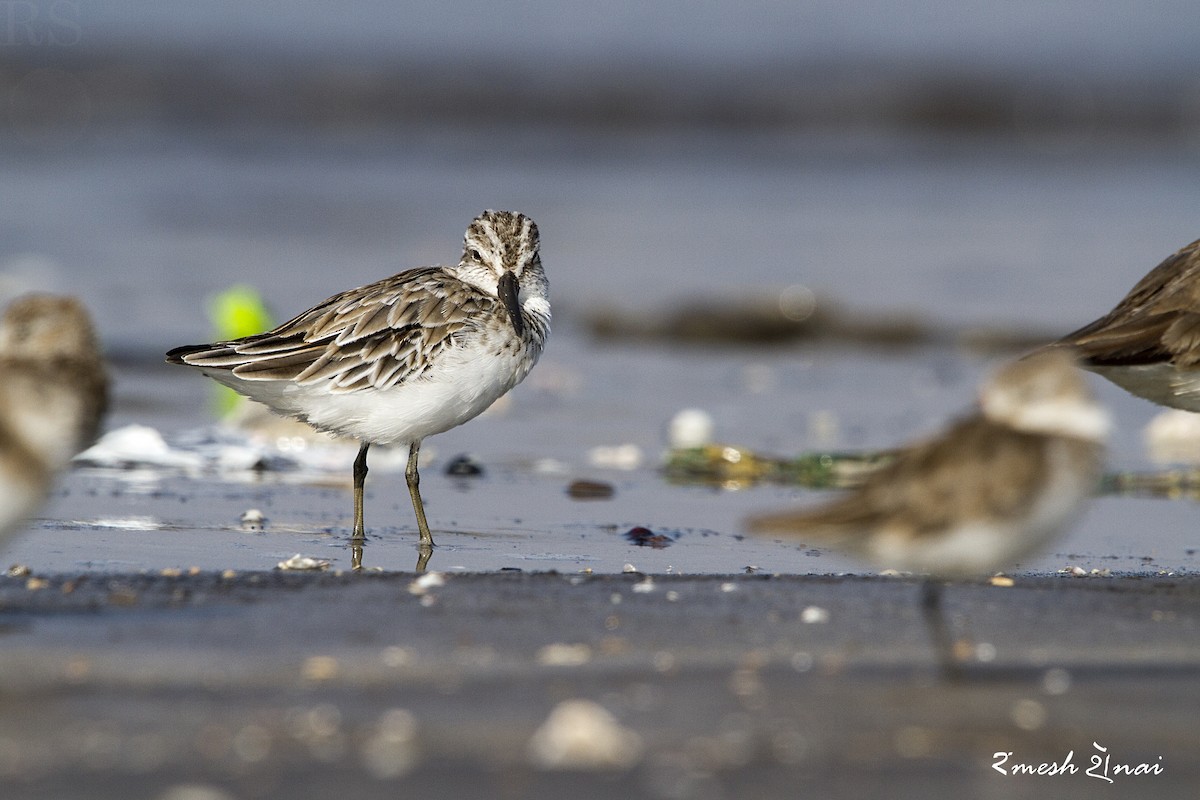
[
  {"x": 403, "y": 358},
  {"x": 53, "y": 395},
  {"x": 1149, "y": 344},
  {"x": 989, "y": 490}
]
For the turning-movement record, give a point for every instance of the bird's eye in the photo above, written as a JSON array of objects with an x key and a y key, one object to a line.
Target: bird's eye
[{"x": 475, "y": 255}]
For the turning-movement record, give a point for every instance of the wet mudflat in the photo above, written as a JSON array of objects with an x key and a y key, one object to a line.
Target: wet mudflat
[
  {"x": 153, "y": 646},
  {"x": 715, "y": 686}
]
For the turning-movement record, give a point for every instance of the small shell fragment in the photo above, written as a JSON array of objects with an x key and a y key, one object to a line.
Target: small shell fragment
[
  {"x": 303, "y": 563},
  {"x": 583, "y": 735},
  {"x": 430, "y": 580},
  {"x": 814, "y": 615},
  {"x": 560, "y": 654},
  {"x": 621, "y": 456}
]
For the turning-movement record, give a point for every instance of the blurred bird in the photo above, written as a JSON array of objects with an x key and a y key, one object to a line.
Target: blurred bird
[
  {"x": 1149, "y": 344},
  {"x": 989, "y": 490},
  {"x": 53, "y": 395}
]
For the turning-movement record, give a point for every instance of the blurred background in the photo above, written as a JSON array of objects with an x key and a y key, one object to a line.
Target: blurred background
[
  {"x": 901, "y": 175},
  {"x": 1016, "y": 162}
]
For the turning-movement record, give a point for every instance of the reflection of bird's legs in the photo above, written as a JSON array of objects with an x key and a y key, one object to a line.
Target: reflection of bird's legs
[
  {"x": 423, "y": 554},
  {"x": 931, "y": 609}
]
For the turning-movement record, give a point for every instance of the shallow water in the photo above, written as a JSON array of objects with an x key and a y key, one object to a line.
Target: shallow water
[
  {"x": 519, "y": 515},
  {"x": 145, "y": 223}
]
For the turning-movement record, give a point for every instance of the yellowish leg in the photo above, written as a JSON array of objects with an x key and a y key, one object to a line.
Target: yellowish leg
[
  {"x": 360, "y": 478},
  {"x": 414, "y": 491}
]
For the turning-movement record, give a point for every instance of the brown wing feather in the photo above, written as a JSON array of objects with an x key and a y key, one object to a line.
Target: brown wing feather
[
  {"x": 375, "y": 336},
  {"x": 977, "y": 470},
  {"x": 1142, "y": 328},
  {"x": 1182, "y": 339}
]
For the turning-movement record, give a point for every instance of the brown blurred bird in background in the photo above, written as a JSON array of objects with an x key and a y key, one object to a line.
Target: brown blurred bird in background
[
  {"x": 53, "y": 396},
  {"x": 992, "y": 488}
]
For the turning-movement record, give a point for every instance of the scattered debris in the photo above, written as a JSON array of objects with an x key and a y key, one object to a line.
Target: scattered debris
[
  {"x": 253, "y": 520},
  {"x": 1170, "y": 483},
  {"x": 430, "y": 580},
  {"x": 1080, "y": 572},
  {"x": 797, "y": 314},
  {"x": 722, "y": 464},
  {"x": 644, "y": 537},
  {"x": 755, "y": 320},
  {"x": 564, "y": 655},
  {"x": 137, "y": 445},
  {"x": 620, "y": 456},
  {"x": 464, "y": 466},
  {"x": 303, "y": 563},
  {"x": 645, "y": 586},
  {"x": 549, "y": 466},
  {"x": 814, "y": 615},
  {"x": 1173, "y": 437},
  {"x": 583, "y": 735},
  {"x": 690, "y": 428},
  {"x": 590, "y": 490}
]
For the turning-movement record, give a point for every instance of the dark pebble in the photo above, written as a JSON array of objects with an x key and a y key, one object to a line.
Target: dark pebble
[
  {"x": 644, "y": 537},
  {"x": 464, "y": 467},
  {"x": 590, "y": 490}
]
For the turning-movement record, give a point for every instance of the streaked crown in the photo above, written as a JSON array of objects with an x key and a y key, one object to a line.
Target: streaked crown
[{"x": 501, "y": 241}]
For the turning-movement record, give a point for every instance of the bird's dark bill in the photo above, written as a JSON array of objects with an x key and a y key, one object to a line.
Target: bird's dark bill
[{"x": 508, "y": 291}]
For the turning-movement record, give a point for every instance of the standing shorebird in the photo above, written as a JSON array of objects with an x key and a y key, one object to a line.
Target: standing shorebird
[
  {"x": 989, "y": 490},
  {"x": 53, "y": 395},
  {"x": 403, "y": 358},
  {"x": 1149, "y": 344}
]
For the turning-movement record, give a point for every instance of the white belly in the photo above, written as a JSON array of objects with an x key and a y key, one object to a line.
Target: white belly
[
  {"x": 1163, "y": 384},
  {"x": 460, "y": 386}
]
